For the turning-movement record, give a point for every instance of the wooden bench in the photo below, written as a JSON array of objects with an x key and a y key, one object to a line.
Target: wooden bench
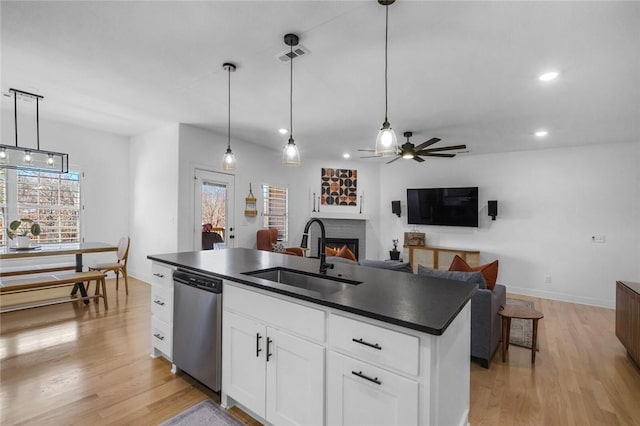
[
  {"x": 36, "y": 269},
  {"x": 42, "y": 282}
]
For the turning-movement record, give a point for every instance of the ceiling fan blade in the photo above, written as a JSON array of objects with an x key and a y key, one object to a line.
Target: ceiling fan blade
[
  {"x": 428, "y": 154},
  {"x": 418, "y": 159},
  {"x": 427, "y": 143},
  {"x": 444, "y": 148},
  {"x": 367, "y": 150},
  {"x": 371, "y": 156},
  {"x": 389, "y": 162}
]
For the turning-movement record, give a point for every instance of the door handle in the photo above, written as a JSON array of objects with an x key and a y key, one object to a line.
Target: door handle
[
  {"x": 258, "y": 350},
  {"x": 159, "y": 336},
  {"x": 269, "y": 354}
]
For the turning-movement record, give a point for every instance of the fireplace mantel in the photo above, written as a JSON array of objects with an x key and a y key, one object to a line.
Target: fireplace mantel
[{"x": 340, "y": 215}]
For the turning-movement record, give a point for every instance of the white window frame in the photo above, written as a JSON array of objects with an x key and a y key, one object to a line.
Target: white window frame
[
  {"x": 10, "y": 208},
  {"x": 276, "y": 219}
]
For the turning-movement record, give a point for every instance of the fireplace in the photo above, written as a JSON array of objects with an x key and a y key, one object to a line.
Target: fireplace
[{"x": 351, "y": 243}]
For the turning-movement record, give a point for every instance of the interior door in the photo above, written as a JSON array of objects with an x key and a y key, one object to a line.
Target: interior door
[{"x": 214, "y": 202}]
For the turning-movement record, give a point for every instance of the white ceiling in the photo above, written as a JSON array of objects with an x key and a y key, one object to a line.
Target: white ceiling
[{"x": 462, "y": 71}]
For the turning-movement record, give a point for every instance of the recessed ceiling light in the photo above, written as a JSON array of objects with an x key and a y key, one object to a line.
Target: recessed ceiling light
[
  {"x": 548, "y": 76},
  {"x": 541, "y": 133},
  {"x": 346, "y": 155},
  {"x": 283, "y": 131}
]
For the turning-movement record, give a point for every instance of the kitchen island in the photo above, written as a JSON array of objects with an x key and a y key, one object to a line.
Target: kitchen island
[{"x": 383, "y": 347}]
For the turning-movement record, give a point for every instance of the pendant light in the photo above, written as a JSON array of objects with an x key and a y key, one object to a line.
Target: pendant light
[
  {"x": 386, "y": 142},
  {"x": 229, "y": 160},
  {"x": 290, "y": 153},
  {"x": 14, "y": 157}
]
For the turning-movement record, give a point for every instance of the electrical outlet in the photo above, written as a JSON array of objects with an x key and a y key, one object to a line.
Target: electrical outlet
[
  {"x": 598, "y": 238},
  {"x": 547, "y": 279}
]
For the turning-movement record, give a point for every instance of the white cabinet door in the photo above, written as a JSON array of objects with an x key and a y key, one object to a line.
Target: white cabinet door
[
  {"x": 361, "y": 394},
  {"x": 244, "y": 348},
  {"x": 295, "y": 380}
]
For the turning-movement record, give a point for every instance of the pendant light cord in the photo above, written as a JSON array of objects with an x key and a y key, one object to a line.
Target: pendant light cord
[
  {"x": 386, "y": 38},
  {"x": 291, "y": 93},
  {"x": 229, "y": 109},
  {"x": 15, "y": 114}
]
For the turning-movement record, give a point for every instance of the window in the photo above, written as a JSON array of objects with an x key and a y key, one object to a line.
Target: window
[
  {"x": 275, "y": 209},
  {"x": 51, "y": 199},
  {"x": 3, "y": 207}
]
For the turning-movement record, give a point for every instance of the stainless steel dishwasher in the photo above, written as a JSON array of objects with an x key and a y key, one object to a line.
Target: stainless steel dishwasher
[{"x": 197, "y": 326}]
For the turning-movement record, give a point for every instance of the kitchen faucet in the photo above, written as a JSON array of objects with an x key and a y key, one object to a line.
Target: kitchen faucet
[{"x": 305, "y": 236}]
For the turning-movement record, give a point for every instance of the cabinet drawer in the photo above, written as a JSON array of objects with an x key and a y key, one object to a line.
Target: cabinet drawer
[
  {"x": 162, "y": 274},
  {"x": 303, "y": 320},
  {"x": 161, "y": 336},
  {"x": 375, "y": 344},
  {"x": 162, "y": 303},
  {"x": 361, "y": 394}
]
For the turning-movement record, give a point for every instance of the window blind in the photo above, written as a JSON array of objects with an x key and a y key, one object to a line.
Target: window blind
[{"x": 275, "y": 209}]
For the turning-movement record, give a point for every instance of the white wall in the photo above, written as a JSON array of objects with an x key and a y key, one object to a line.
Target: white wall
[
  {"x": 203, "y": 149},
  {"x": 550, "y": 204},
  {"x": 104, "y": 159},
  {"x": 153, "y": 189}
]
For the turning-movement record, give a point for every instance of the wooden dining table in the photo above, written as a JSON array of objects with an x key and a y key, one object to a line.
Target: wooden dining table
[{"x": 77, "y": 249}]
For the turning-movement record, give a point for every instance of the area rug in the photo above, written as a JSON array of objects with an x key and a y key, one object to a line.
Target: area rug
[
  {"x": 205, "y": 413},
  {"x": 521, "y": 332}
]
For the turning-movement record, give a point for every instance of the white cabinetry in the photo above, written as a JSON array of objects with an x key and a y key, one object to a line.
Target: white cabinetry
[
  {"x": 270, "y": 365},
  {"x": 161, "y": 311}
]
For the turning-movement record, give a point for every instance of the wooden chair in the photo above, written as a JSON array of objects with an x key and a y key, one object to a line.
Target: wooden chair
[{"x": 119, "y": 267}]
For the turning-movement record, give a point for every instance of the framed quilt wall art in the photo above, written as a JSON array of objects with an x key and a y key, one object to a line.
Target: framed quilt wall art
[{"x": 338, "y": 187}]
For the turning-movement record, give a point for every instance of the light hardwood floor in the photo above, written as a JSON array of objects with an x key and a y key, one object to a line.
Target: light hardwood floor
[{"x": 71, "y": 364}]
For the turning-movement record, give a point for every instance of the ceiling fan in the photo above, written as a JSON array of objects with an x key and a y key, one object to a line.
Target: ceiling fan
[{"x": 409, "y": 150}]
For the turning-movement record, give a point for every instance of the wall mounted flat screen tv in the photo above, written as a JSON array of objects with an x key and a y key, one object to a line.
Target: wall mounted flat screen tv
[{"x": 443, "y": 206}]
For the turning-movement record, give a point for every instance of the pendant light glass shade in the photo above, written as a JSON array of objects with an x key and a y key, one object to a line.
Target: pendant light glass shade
[
  {"x": 290, "y": 153},
  {"x": 386, "y": 142},
  {"x": 229, "y": 160}
]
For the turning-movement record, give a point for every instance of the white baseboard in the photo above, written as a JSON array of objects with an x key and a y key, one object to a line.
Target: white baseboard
[{"x": 603, "y": 303}]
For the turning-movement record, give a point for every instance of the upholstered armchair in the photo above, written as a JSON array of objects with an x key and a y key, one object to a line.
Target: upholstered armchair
[{"x": 266, "y": 237}]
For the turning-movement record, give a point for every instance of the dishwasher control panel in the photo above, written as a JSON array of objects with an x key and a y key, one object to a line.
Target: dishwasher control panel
[{"x": 204, "y": 282}]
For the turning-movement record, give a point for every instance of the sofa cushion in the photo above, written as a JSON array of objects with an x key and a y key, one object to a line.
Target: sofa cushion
[
  {"x": 278, "y": 248},
  {"x": 489, "y": 270},
  {"x": 336, "y": 259},
  {"x": 330, "y": 251},
  {"x": 346, "y": 253},
  {"x": 383, "y": 264},
  {"x": 470, "y": 277}
]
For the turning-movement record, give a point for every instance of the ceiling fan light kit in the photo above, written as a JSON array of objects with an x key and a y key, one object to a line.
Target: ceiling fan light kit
[
  {"x": 386, "y": 142},
  {"x": 290, "y": 153},
  {"x": 15, "y": 157},
  {"x": 229, "y": 160}
]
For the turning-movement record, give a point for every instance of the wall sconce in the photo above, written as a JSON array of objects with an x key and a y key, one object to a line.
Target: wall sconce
[{"x": 493, "y": 209}]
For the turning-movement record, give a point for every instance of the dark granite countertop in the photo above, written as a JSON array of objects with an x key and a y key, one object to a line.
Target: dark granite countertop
[{"x": 416, "y": 302}]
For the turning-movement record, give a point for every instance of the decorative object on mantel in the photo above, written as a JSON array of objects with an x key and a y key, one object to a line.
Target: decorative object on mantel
[
  {"x": 20, "y": 230},
  {"x": 361, "y": 201},
  {"x": 229, "y": 160},
  {"x": 492, "y": 208},
  {"x": 339, "y": 187},
  {"x": 395, "y": 253},
  {"x": 290, "y": 153},
  {"x": 414, "y": 239},
  {"x": 250, "y": 204},
  {"x": 314, "y": 203},
  {"x": 29, "y": 159}
]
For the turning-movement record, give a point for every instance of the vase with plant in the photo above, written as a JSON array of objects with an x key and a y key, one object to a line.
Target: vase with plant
[
  {"x": 20, "y": 231},
  {"x": 395, "y": 253}
]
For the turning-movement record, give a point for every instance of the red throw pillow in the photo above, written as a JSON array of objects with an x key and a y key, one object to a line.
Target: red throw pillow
[
  {"x": 489, "y": 271},
  {"x": 346, "y": 253},
  {"x": 330, "y": 251}
]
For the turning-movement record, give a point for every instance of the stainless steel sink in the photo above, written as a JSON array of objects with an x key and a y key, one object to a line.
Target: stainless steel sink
[{"x": 319, "y": 283}]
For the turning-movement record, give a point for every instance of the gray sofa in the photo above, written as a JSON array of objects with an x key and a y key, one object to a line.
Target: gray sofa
[{"x": 486, "y": 325}]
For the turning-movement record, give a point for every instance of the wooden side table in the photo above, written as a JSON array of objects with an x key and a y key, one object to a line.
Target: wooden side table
[{"x": 522, "y": 312}]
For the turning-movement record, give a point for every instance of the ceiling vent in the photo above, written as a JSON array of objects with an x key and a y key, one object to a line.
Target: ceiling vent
[{"x": 298, "y": 51}]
